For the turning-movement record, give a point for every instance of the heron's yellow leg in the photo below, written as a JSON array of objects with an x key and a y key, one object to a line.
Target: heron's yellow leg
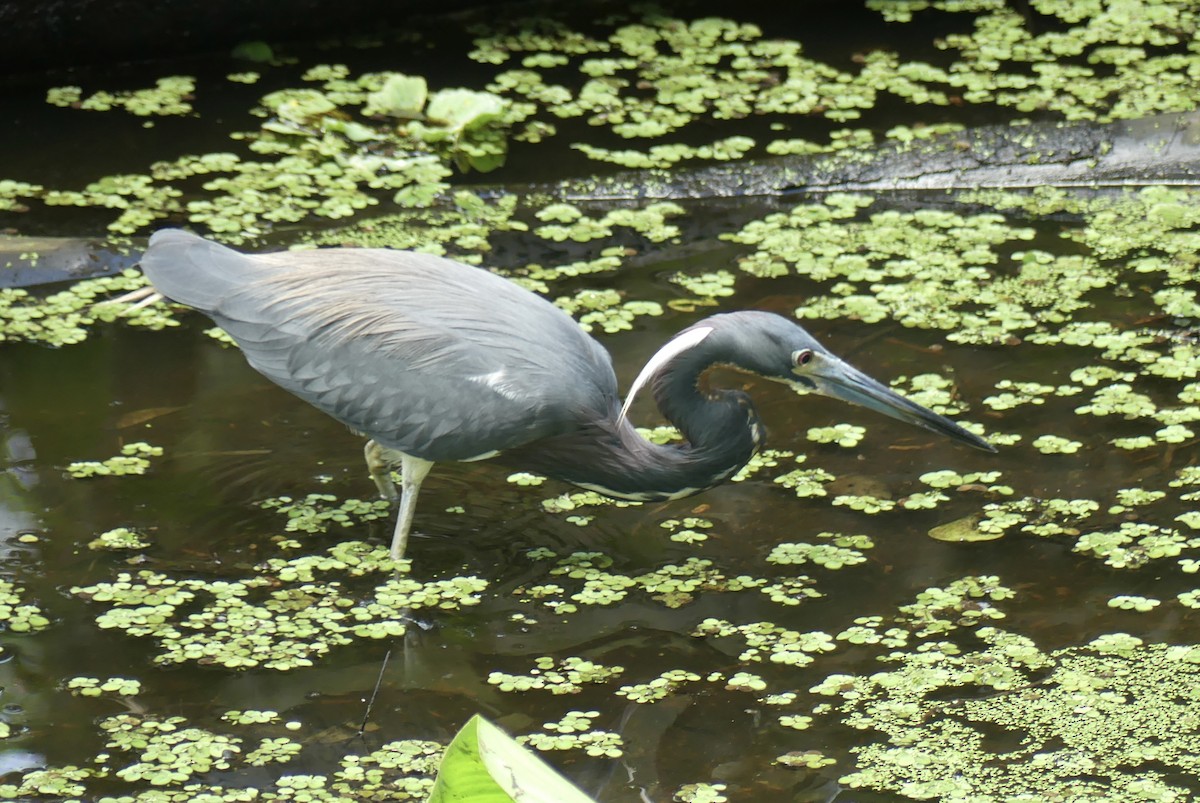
[{"x": 412, "y": 474}]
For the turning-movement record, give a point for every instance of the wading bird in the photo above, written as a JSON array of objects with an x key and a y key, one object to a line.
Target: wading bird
[{"x": 434, "y": 360}]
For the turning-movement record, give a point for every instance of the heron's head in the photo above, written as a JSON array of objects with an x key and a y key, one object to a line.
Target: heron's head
[{"x": 779, "y": 349}]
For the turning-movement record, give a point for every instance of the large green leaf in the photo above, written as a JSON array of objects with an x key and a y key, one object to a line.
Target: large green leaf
[
  {"x": 464, "y": 109},
  {"x": 400, "y": 96},
  {"x": 485, "y": 765}
]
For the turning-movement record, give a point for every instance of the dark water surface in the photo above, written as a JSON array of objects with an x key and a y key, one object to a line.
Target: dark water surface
[{"x": 232, "y": 440}]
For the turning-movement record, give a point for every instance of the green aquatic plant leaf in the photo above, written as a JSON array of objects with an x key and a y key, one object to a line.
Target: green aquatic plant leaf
[
  {"x": 482, "y": 764},
  {"x": 400, "y": 96},
  {"x": 464, "y": 109}
]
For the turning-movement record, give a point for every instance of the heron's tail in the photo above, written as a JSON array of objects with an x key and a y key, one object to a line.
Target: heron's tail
[{"x": 194, "y": 271}]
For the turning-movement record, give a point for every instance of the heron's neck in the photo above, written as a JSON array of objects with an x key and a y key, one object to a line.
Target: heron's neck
[{"x": 720, "y": 428}]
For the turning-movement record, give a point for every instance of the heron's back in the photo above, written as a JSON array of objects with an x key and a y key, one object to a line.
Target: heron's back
[{"x": 428, "y": 356}]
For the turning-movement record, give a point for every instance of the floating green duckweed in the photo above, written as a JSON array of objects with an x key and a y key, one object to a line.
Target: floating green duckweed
[
  {"x": 767, "y": 458},
  {"x": 1190, "y": 599},
  {"x": 807, "y": 759},
  {"x": 992, "y": 65},
  {"x": 806, "y": 482},
  {"x": 845, "y": 435},
  {"x": 1127, "y": 602},
  {"x": 251, "y": 717},
  {"x": 1110, "y": 710},
  {"x": 745, "y": 681},
  {"x": 928, "y": 269},
  {"x": 768, "y": 641},
  {"x": 1135, "y": 497},
  {"x": 791, "y": 590},
  {"x": 1055, "y": 444},
  {"x": 50, "y": 782},
  {"x": 330, "y": 147},
  {"x": 604, "y": 310},
  {"x": 796, "y": 722},
  {"x": 169, "y": 96},
  {"x": 17, "y": 615},
  {"x": 167, "y": 754},
  {"x": 968, "y": 602},
  {"x": 663, "y": 156},
  {"x": 1134, "y": 544},
  {"x": 279, "y": 750},
  {"x": 866, "y": 630},
  {"x": 119, "y": 539},
  {"x": 285, "y": 616},
  {"x": 707, "y": 285},
  {"x": 923, "y": 500},
  {"x": 319, "y": 152},
  {"x": 658, "y": 688},
  {"x": 525, "y": 479},
  {"x": 568, "y": 502},
  {"x": 585, "y": 579},
  {"x": 132, "y": 460},
  {"x": 838, "y": 140},
  {"x": 557, "y": 677},
  {"x": 95, "y": 687},
  {"x": 317, "y": 512},
  {"x": 1017, "y": 393},
  {"x": 829, "y": 556},
  {"x": 63, "y": 318},
  {"x": 864, "y": 503},
  {"x": 573, "y": 732},
  {"x": 650, "y": 221},
  {"x": 701, "y": 793},
  {"x": 946, "y": 478},
  {"x": 688, "y": 530}
]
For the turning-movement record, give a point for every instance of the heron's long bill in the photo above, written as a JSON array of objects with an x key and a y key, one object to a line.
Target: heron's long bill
[{"x": 843, "y": 381}]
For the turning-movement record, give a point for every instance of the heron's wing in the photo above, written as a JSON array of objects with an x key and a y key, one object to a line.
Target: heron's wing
[{"x": 428, "y": 356}]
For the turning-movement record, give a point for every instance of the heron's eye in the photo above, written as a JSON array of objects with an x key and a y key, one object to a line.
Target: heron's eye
[{"x": 803, "y": 357}]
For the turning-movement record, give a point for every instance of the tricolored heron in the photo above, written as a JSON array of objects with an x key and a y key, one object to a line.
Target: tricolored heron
[{"x": 434, "y": 360}]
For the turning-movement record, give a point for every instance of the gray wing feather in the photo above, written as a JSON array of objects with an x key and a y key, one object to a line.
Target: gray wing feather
[{"x": 428, "y": 356}]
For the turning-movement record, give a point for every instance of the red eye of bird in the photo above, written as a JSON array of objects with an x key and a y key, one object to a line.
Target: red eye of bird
[{"x": 804, "y": 357}]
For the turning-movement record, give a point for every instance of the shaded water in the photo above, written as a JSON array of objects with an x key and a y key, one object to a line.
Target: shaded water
[{"x": 232, "y": 440}]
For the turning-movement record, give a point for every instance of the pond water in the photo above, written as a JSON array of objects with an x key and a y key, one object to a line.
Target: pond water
[{"x": 694, "y": 635}]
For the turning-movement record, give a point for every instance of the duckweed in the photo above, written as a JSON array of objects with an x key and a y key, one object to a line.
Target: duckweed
[
  {"x": 63, "y": 318},
  {"x": 284, "y": 616},
  {"x": 701, "y": 793},
  {"x": 557, "y": 677},
  {"x": 573, "y": 732},
  {"x": 95, "y": 687},
  {"x": 1105, "y": 708},
  {"x": 845, "y": 435},
  {"x": 16, "y": 614},
  {"x": 828, "y": 556},
  {"x": 119, "y": 539},
  {"x": 169, "y": 96},
  {"x": 658, "y": 688},
  {"x": 353, "y": 142},
  {"x": 131, "y": 460}
]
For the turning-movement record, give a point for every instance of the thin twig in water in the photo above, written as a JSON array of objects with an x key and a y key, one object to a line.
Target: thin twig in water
[{"x": 362, "y": 729}]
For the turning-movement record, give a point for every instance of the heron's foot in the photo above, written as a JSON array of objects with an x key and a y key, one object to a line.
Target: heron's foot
[
  {"x": 387, "y": 488},
  {"x": 380, "y": 467},
  {"x": 132, "y": 301}
]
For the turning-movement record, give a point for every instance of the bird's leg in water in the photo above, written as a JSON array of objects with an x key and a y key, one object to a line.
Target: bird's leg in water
[
  {"x": 381, "y": 470},
  {"x": 412, "y": 473}
]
